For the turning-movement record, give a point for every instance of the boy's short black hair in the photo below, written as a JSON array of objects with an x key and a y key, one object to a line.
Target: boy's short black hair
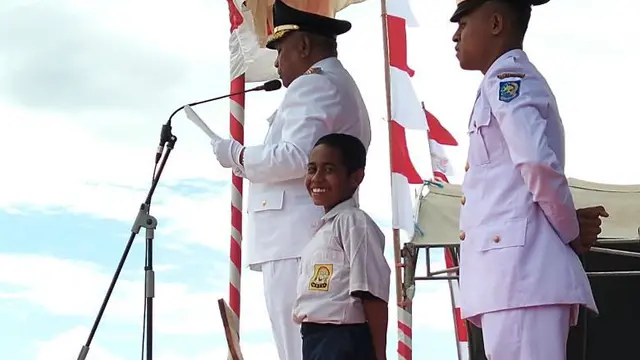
[{"x": 354, "y": 154}]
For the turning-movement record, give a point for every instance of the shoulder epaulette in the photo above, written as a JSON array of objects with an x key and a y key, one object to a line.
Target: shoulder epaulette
[
  {"x": 313, "y": 70},
  {"x": 507, "y": 75}
]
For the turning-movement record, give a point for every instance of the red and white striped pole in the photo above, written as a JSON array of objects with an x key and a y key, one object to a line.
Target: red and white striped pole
[
  {"x": 236, "y": 128},
  {"x": 459, "y": 324},
  {"x": 405, "y": 333}
]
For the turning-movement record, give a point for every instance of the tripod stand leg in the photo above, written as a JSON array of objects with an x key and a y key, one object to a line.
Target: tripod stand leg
[
  {"x": 83, "y": 352},
  {"x": 149, "y": 288},
  {"x": 143, "y": 220}
]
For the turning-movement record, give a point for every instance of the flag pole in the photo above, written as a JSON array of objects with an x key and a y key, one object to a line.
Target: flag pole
[
  {"x": 236, "y": 130},
  {"x": 403, "y": 310},
  {"x": 387, "y": 85}
]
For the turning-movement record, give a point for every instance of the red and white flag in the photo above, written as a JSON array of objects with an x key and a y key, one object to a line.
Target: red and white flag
[
  {"x": 248, "y": 54},
  {"x": 439, "y": 138},
  {"x": 252, "y": 23},
  {"x": 406, "y": 113}
]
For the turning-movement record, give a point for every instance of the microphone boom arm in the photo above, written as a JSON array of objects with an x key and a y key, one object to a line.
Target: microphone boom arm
[{"x": 268, "y": 86}]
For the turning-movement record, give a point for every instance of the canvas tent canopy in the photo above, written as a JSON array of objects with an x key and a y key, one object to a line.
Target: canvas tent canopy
[{"x": 438, "y": 208}]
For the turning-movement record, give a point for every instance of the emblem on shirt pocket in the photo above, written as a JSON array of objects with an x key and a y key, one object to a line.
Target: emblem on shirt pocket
[
  {"x": 321, "y": 277},
  {"x": 509, "y": 90}
]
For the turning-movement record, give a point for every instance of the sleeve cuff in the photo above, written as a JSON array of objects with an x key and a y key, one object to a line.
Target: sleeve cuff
[{"x": 375, "y": 291}]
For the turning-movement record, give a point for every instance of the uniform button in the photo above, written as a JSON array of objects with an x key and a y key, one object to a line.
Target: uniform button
[
  {"x": 462, "y": 235},
  {"x": 466, "y": 167},
  {"x": 264, "y": 203},
  {"x": 496, "y": 239},
  {"x": 463, "y": 200}
]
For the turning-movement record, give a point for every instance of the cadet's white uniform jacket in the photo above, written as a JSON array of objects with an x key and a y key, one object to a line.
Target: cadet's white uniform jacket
[
  {"x": 280, "y": 211},
  {"x": 518, "y": 215}
]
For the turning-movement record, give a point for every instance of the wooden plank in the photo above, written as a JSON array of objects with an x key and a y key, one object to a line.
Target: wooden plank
[{"x": 230, "y": 324}]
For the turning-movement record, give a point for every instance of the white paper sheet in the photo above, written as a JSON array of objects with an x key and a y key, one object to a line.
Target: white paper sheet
[{"x": 191, "y": 115}]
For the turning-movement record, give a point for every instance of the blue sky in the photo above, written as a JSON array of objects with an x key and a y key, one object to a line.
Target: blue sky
[{"x": 84, "y": 89}]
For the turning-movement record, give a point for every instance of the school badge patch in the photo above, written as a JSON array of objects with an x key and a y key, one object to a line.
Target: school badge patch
[
  {"x": 321, "y": 277},
  {"x": 509, "y": 90}
]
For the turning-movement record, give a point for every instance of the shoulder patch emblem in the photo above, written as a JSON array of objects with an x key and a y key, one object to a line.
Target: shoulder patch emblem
[
  {"x": 509, "y": 90},
  {"x": 506, "y": 75},
  {"x": 321, "y": 277},
  {"x": 313, "y": 70}
]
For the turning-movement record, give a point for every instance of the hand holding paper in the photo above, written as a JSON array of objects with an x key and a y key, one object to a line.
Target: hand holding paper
[
  {"x": 227, "y": 151},
  {"x": 191, "y": 115}
]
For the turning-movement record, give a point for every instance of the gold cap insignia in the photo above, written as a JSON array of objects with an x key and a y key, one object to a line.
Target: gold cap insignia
[{"x": 280, "y": 31}]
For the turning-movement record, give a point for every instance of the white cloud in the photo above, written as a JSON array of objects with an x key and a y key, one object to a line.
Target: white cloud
[
  {"x": 76, "y": 288},
  {"x": 66, "y": 346}
]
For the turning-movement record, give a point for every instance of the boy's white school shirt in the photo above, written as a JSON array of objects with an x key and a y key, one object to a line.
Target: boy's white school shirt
[{"x": 346, "y": 254}]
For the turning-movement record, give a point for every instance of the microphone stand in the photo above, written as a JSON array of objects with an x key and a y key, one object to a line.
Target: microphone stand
[
  {"x": 149, "y": 223},
  {"x": 145, "y": 220}
]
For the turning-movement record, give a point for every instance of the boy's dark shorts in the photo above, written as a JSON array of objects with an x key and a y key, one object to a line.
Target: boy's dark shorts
[{"x": 336, "y": 342}]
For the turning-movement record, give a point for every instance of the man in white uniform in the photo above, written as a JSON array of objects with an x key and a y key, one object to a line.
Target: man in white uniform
[
  {"x": 520, "y": 277},
  {"x": 321, "y": 98}
]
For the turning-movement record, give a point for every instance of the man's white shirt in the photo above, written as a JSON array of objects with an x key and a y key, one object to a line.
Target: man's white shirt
[{"x": 280, "y": 211}]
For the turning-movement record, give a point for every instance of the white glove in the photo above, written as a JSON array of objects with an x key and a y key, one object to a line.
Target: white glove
[
  {"x": 227, "y": 152},
  {"x": 238, "y": 172}
]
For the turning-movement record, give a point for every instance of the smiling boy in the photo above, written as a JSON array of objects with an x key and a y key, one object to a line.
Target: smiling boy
[{"x": 343, "y": 287}]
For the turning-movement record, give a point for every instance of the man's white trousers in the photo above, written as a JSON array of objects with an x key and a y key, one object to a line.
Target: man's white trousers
[
  {"x": 532, "y": 333},
  {"x": 280, "y": 280}
]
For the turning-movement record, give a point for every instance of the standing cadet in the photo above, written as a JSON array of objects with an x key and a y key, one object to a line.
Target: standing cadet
[
  {"x": 321, "y": 98},
  {"x": 343, "y": 287},
  {"x": 520, "y": 279}
]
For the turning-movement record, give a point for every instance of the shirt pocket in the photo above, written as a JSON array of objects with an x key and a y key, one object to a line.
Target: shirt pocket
[
  {"x": 511, "y": 233},
  {"x": 478, "y": 151},
  {"x": 486, "y": 143},
  {"x": 266, "y": 201}
]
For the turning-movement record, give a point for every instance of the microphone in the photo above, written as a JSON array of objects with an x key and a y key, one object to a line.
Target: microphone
[
  {"x": 165, "y": 133},
  {"x": 270, "y": 85}
]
